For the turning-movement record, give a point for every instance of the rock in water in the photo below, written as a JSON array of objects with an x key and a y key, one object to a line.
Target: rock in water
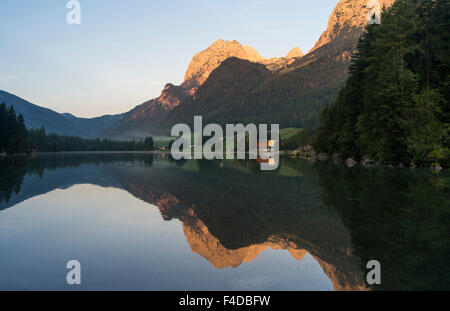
[{"x": 350, "y": 162}]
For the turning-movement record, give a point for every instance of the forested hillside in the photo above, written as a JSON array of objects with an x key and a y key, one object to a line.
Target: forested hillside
[
  {"x": 242, "y": 91},
  {"x": 59, "y": 123},
  {"x": 395, "y": 106},
  {"x": 16, "y": 138}
]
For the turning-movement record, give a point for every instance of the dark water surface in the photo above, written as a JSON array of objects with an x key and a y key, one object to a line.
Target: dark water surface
[{"x": 143, "y": 221}]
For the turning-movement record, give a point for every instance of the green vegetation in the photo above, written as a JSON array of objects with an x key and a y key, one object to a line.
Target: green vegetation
[
  {"x": 13, "y": 134},
  {"x": 15, "y": 138},
  {"x": 239, "y": 91},
  {"x": 395, "y": 106},
  {"x": 291, "y": 138},
  {"x": 289, "y": 132}
]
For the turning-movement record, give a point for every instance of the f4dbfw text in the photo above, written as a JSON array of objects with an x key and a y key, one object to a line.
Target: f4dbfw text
[{"x": 246, "y": 300}]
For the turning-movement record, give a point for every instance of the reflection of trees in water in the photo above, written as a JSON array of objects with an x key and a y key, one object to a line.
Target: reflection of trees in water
[
  {"x": 342, "y": 217},
  {"x": 398, "y": 217},
  {"x": 14, "y": 168},
  {"x": 12, "y": 172}
]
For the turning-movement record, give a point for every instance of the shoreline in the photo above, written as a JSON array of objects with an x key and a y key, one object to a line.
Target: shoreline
[{"x": 295, "y": 154}]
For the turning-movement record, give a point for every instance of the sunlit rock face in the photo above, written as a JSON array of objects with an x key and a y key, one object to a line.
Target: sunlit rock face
[
  {"x": 228, "y": 235},
  {"x": 253, "y": 55},
  {"x": 208, "y": 246},
  {"x": 148, "y": 116},
  {"x": 295, "y": 52},
  {"x": 204, "y": 62},
  {"x": 348, "y": 17}
]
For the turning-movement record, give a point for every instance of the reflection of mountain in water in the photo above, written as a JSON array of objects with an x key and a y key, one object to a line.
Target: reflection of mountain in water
[
  {"x": 231, "y": 212},
  {"x": 229, "y": 215}
]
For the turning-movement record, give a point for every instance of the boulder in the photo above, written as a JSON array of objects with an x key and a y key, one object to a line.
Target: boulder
[
  {"x": 336, "y": 158},
  {"x": 350, "y": 162}
]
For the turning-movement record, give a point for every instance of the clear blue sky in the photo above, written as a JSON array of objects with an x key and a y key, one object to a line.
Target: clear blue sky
[{"x": 125, "y": 51}]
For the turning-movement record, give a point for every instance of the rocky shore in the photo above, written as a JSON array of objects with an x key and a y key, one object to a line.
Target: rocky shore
[{"x": 308, "y": 153}]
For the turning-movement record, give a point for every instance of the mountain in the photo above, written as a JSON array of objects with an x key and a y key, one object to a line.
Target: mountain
[
  {"x": 36, "y": 116},
  {"x": 223, "y": 97},
  {"x": 295, "y": 93},
  {"x": 204, "y": 62},
  {"x": 150, "y": 117},
  {"x": 146, "y": 118},
  {"x": 253, "y": 55},
  {"x": 91, "y": 127},
  {"x": 348, "y": 19},
  {"x": 54, "y": 122},
  {"x": 295, "y": 52},
  {"x": 290, "y": 90}
]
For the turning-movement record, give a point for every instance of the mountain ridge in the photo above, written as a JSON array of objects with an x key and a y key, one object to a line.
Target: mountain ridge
[
  {"x": 150, "y": 116},
  {"x": 293, "y": 96},
  {"x": 59, "y": 123}
]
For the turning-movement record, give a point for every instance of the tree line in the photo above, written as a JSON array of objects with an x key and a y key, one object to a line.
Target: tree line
[
  {"x": 16, "y": 138},
  {"x": 395, "y": 106}
]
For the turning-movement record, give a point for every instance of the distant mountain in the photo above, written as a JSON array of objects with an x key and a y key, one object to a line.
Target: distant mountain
[
  {"x": 295, "y": 52},
  {"x": 36, "y": 116},
  {"x": 54, "y": 122},
  {"x": 92, "y": 127},
  {"x": 150, "y": 117},
  {"x": 147, "y": 117}
]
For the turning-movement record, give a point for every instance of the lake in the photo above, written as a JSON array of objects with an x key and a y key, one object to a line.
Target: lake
[{"x": 142, "y": 221}]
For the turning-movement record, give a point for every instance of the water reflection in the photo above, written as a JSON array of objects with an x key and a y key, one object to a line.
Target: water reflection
[{"x": 231, "y": 211}]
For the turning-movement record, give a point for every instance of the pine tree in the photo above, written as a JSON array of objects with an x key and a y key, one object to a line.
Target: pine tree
[
  {"x": 3, "y": 127},
  {"x": 21, "y": 135},
  {"x": 395, "y": 104}
]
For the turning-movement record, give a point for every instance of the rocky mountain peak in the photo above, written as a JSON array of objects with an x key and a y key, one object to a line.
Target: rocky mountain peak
[
  {"x": 253, "y": 54},
  {"x": 203, "y": 63},
  {"x": 347, "y": 16},
  {"x": 295, "y": 52}
]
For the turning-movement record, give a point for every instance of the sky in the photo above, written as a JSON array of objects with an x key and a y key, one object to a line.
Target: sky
[{"x": 125, "y": 51}]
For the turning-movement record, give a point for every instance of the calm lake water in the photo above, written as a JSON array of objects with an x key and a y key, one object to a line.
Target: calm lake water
[{"x": 145, "y": 222}]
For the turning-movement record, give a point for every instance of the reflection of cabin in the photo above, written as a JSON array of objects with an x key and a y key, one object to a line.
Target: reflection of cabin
[
  {"x": 266, "y": 146},
  {"x": 263, "y": 147},
  {"x": 269, "y": 161}
]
